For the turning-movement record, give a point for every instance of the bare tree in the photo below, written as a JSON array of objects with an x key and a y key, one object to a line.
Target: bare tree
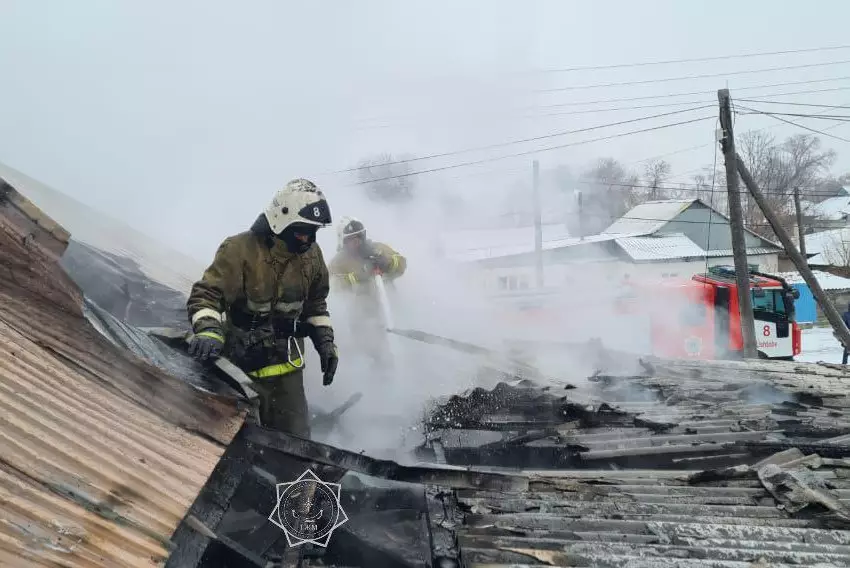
[
  {"x": 778, "y": 168},
  {"x": 655, "y": 173},
  {"x": 611, "y": 190},
  {"x": 386, "y": 178},
  {"x": 708, "y": 186},
  {"x": 836, "y": 250}
]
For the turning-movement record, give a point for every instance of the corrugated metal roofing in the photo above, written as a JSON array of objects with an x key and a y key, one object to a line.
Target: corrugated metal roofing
[
  {"x": 687, "y": 463},
  {"x": 661, "y": 247},
  {"x": 649, "y": 217},
  {"x": 750, "y": 251},
  {"x": 826, "y": 280},
  {"x": 91, "y": 227},
  {"x": 613, "y": 519},
  {"x": 101, "y": 454}
]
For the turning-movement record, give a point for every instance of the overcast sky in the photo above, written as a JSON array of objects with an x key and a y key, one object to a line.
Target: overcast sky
[{"x": 183, "y": 118}]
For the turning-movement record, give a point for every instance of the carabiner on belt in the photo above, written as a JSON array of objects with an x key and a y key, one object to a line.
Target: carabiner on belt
[{"x": 300, "y": 359}]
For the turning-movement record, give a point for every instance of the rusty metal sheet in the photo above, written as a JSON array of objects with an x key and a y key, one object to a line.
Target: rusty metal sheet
[{"x": 101, "y": 454}]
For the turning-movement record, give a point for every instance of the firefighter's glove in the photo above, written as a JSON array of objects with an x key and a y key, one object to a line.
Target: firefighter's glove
[
  {"x": 206, "y": 344},
  {"x": 381, "y": 263},
  {"x": 323, "y": 341}
]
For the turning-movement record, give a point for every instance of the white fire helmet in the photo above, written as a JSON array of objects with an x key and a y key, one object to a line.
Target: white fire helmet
[
  {"x": 348, "y": 227},
  {"x": 299, "y": 202}
]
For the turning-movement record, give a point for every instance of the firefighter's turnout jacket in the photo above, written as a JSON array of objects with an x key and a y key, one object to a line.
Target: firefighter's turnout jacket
[
  {"x": 354, "y": 275},
  {"x": 258, "y": 285},
  {"x": 353, "y": 272}
]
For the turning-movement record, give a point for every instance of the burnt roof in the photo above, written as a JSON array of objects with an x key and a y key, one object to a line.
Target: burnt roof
[{"x": 684, "y": 464}]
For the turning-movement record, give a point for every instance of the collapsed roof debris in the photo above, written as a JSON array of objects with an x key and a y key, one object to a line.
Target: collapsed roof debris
[
  {"x": 107, "y": 458},
  {"x": 687, "y": 476}
]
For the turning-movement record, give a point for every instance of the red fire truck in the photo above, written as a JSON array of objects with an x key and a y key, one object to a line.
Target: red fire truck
[{"x": 699, "y": 318}]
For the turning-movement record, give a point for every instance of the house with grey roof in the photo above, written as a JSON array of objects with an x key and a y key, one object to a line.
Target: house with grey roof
[{"x": 668, "y": 238}]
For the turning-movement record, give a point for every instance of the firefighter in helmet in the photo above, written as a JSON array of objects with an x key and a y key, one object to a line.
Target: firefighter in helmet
[
  {"x": 271, "y": 285},
  {"x": 357, "y": 261}
]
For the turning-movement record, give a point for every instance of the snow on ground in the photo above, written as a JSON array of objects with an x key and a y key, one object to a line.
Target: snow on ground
[{"x": 820, "y": 345}]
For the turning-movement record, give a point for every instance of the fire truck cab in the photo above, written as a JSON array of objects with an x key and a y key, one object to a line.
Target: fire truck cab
[{"x": 700, "y": 318}]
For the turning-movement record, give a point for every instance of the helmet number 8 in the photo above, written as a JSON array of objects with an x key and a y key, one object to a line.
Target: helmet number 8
[{"x": 317, "y": 212}]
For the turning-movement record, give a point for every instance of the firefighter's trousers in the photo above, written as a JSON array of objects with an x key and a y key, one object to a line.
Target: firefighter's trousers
[{"x": 283, "y": 403}]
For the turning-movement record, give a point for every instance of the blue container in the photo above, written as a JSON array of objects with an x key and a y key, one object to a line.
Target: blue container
[{"x": 805, "y": 306}]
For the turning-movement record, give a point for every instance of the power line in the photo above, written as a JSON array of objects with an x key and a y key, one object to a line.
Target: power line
[
  {"x": 795, "y": 104},
  {"x": 640, "y": 98},
  {"x": 837, "y": 117},
  {"x": 692, "y": 60},
  {"x": 637, "y": 107},
  {"x": 537, "y": 151},
  {"x": 567, "y": 113},
  {"x": 694, "y": 222},
  {"x": 666, "y": 96},
  {"x": 696, "y": 93},
  {"x": 822, "y": 133},
  {"x": 521, "y": 141},
  {"x": 691, "y": 77},
  {"x": 693, "y": 187}
]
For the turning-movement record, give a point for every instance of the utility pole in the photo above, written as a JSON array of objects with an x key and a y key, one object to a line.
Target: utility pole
[
  {"x": 580, "y": 216},
  {"x": 736, "y": 221},
  {"x": 799, "y": 260},
  {"x": 538, "y": 224},
  {"x": 799, "y": 222}
]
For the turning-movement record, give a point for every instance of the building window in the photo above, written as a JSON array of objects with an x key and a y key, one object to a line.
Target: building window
[{"x": 513, "y": 282}]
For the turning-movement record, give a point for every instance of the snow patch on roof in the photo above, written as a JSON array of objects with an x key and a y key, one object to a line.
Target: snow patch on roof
[
  {"x": 826, "y": 280},
  {"x": 666, "y": 247},
  {"x": 830, "y": 248},
  {"x": 832, "y": 209}
]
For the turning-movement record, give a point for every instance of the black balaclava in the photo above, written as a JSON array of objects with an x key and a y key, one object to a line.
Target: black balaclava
[{"x": 292, "y": 243}]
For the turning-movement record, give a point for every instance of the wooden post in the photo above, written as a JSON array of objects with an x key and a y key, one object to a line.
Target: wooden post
[
  {"x": 799, "y": 261},
  {"x": 580, "y": 216},
  {"x": 799, "y": 212},
  {"x": 736, "y": 221}
]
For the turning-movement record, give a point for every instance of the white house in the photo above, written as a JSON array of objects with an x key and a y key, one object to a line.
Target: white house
[
  {"x": 830, "y": 213},
  {"x": 459, "y": 244},
  {"x": 670, "y": 238},
  {"x": 829, "y": 248}
]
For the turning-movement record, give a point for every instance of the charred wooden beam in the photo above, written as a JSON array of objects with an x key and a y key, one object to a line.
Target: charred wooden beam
[
  {"x": 444, "y": 518},
  {"x": 824, "y": 450},
  {"x": 386, "y": 469},
  {"x": 211, "y": 503}
]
